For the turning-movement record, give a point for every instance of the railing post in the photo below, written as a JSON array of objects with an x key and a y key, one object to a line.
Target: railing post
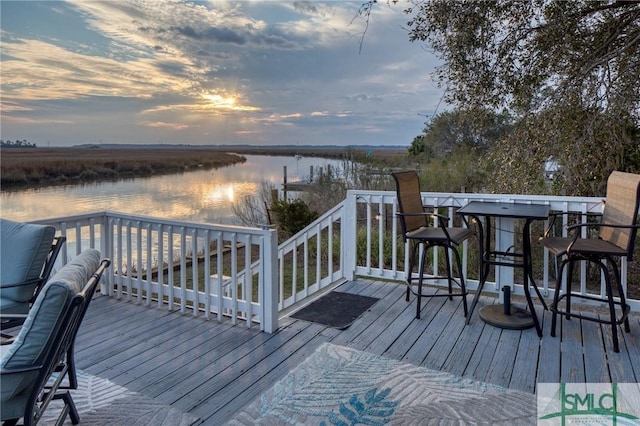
[
  {"x": 269, "y": 296},
  {"x": 106, "y": 248},
  {"x": 348, "y": 243}
]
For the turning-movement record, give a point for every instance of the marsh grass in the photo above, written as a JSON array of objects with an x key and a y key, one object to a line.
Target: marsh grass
[{"x": 41, "y": 167}]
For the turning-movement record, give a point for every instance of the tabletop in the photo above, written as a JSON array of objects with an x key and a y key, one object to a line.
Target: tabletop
[{"x": 504, "y": 209}]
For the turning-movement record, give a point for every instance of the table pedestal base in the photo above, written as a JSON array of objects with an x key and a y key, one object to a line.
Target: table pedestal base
[{"x": 494, "y": 315}]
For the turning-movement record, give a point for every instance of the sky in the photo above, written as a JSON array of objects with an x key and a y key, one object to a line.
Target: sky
[{"x": 212, "y": 72}]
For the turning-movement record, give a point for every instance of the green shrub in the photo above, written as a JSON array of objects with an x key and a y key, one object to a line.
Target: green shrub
[{"x": 292, "y": 216}]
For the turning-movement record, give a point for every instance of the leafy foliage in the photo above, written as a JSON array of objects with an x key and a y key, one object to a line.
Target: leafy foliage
[
  {"x": 373, "y": 410},
  {"x": 460, "y": 129},
  {"x": 462, "y": 171},
  {"x": 568, "y": 72},
  {"x": 587, "y": 146},
  {"x": 528, "y": 55},
  {"x": 292, "y": 216}
]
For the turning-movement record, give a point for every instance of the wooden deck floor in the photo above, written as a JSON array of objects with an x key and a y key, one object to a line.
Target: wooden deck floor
[{"x": 211, "y": 369}]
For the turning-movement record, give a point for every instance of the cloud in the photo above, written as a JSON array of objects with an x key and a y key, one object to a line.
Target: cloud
[
  {"x": 175, "y": 126},
  {"x": 217, "y": 35},
  {"x": 45, "y": 71},
  {"x": 214, "y": 68}
]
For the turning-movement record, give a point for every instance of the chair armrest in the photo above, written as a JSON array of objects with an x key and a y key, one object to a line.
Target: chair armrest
[
  {"x": 597, "y": 225},
  {"x": 601, "y": 225},
  {"x": 432, "y": 215},
  {"x": 554, "y": 215},
  {"x": 442, "y": 220},
  {"x": 414, "y": 214},
  {"x": 441, "y": 217}
]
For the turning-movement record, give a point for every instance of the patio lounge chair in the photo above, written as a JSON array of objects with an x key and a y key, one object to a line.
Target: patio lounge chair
[
  {"x": 615, "y": 237},
  {"x": 27, "y": 365},
  {"x": 418, "y": 231},
  {"x": 28, "y": 253}
]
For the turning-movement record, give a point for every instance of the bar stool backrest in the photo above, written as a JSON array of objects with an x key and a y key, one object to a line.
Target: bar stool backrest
[
  {"x": 410, "y": 201},
  {"x": 621, "y": 208}
]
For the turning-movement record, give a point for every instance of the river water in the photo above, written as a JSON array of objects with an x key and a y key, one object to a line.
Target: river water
[{"x": 198, "y": 196}]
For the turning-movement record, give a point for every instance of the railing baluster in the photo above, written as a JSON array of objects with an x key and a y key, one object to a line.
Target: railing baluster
[
  {"x": 147, "y": 283},
  {"x": 183, "y": 270},
  {"x": 220, "y": 271},
  {"x": 194, "y": 270},
  {"x": 129, "y": 262},
  {"x": 305, "y": 263},
  {"x": 380, "y": 219},
  {"x": 294, "y": 272},
  {"x": 247, "y": 293},
  {"x": 281, "y": 300},
  {"x": 234, "y": 278},
  {"x": 139, "y": 262},
  {"x": 92, "y": 233},
  {"x": 319, "y": 249},
  {"x": 120, "y": 258},
  {"x": 206, "y": 275},
  {"x": 161, "y": 265},
  {"x": 368, "y": 251},
  {"x": 171, "y": 270}
]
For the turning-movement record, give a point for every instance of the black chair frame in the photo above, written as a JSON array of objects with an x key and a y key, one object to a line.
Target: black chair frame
[
  {"x": 429, "y": 237},
  {"x": 11, "y": 321},
  {"x": 605, "y": 262},
  {"x": 59, "y": 360},
  {"x": 615, "y": 238}
]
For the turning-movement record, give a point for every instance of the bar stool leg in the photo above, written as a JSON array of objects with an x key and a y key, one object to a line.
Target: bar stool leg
[
  {"x": 556, "y": 299},
  {"x": 410, "y": 271},
  {"x": 569, "y": 286},
  {"x": 612, "y": 308},
  {"x": 449, "y": 274},
  {"x": 412, "y": 254},
  {"x": 463, "y": 286},
  {"x": 623, "y": 300},
  {"x": 423, "y": 259}
]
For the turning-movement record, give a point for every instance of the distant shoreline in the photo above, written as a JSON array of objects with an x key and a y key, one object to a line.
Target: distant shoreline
[{"x": 25, "y": 168}]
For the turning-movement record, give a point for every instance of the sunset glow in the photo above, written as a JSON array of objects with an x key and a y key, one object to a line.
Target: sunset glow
[{"x": 210, "y": 72}]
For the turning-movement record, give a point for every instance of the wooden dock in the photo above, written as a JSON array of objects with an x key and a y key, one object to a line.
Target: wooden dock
[{"x": 211, "y": 369}]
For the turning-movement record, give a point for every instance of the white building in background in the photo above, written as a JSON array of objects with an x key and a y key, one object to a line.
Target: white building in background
[{"x": 551, "y": 167}]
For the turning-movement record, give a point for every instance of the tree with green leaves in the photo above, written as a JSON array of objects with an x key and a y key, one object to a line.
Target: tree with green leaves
[
  {"x": 567, "y": 71},
  {"x": 291, "y": 216},
  {"x": 460, "y": 129}
]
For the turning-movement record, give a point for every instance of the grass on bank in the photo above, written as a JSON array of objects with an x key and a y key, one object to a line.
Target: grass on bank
[{"x": 40, "y": 167}]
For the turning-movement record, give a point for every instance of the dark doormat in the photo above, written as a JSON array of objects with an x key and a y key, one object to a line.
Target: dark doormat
[{"x": 336, "y": 309}]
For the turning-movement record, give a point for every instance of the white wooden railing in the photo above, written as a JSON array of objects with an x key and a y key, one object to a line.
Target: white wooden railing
[
  {"x": 378, "y": 254},
  {"x": 317, "y": 254},
  {"x": 258, "y": 281},
  {"x": 153, "y": 264}
]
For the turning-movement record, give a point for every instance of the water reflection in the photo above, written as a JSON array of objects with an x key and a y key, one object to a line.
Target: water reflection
[{"x": 200, "y": 196}]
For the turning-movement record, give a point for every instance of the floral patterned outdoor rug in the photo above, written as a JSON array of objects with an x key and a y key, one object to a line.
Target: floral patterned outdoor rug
[
  {"x": 102, "y": 402},
  {"x": 342, "y": 386}
]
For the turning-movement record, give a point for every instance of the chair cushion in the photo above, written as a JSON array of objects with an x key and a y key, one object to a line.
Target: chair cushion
[
  {"x": 37, "y": 336},
  {"x": 583, "y": 246},
  {"x": 437, "y": 235},
  {"x": 23, "y": 251},
  {"x": 32, "y": 342}
]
